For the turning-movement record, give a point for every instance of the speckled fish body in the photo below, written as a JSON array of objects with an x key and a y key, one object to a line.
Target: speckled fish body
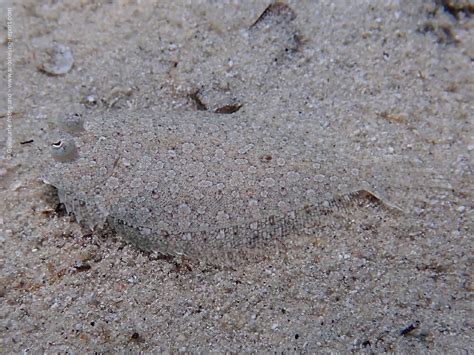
[{"x": 163, "y": 177}]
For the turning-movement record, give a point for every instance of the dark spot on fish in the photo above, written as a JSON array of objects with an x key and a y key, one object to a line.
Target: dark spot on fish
[{"x": 266, "y": 158}]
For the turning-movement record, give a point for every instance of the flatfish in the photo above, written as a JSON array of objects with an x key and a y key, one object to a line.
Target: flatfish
[{"x": 197, "y": 181}]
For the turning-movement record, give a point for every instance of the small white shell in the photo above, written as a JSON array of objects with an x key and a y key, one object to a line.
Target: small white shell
[{"x": 55, "y": 59}]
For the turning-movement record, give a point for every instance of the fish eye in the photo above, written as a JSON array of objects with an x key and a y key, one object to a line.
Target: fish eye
[
  {"x": 64, "y": 150},
  {"x": 72, "y": 123}
]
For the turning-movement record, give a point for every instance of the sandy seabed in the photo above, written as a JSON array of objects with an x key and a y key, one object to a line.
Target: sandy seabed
[{"x": 398, "y": 78}]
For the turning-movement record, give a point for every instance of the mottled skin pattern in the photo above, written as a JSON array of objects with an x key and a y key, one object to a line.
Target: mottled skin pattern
[{"x": 173, "y": 182}]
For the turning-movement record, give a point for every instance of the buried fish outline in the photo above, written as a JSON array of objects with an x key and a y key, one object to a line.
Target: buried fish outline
[{"x": 193, "y": 182}]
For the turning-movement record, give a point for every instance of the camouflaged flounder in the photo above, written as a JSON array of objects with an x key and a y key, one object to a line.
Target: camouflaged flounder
[{"x": 168, "y": 182}]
